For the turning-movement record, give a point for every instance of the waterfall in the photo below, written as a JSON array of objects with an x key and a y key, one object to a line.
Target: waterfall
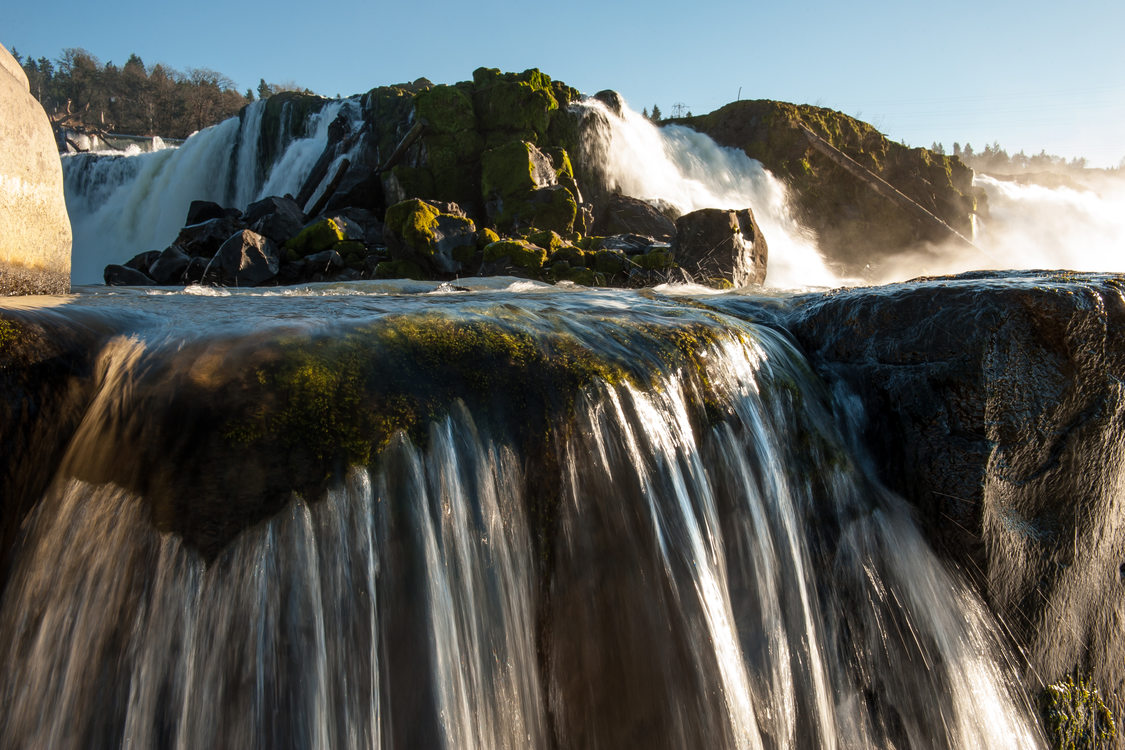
[
  {"x": 123, "y": 205},
  {"x": 686, "y": 169},
  {"x": 687, "y": 549}
]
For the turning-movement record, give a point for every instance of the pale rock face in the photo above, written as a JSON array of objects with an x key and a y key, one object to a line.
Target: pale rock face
[{"x": 34, "y": 226}]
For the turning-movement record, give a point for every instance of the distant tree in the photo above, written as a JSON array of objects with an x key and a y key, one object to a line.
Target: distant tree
[
  {"x": 249, "y": 95},
  {"x": 938, "y": 148},
  {"x": 645, "y": 112},
  {"x": 264, "y": 91},
  {"x": 656, "y": 116},
  {"x": 956, "y": 148},
  {"x": 689, "y": 114}
]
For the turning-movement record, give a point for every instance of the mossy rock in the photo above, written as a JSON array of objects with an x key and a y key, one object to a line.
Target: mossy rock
[
  {"x": 856, "y": 226},
  {"x": 583, "y": 276},
  {"x": 513, "y": 103},
  {"x": 486, "y": 237},
  {"x": 322, "y": 234},
  {"x": 610, "y": 262},
  {"x": 1075, "y": 716},
  {"x": 513, "y": 169},
  {"x": 413, "y": 220},
  {"x": 445, "y": 110},
  {"x": 387, "y": 111},
  {"x": 518, "y": 252},
  {"x": 575, "y": 256},
  {"x": 547, "y": 239},
  {"x": 655, "y": 260},
  {"x": 417, "y": 230},
  {"x": 400, "y": 269},
  {"x": 553, "y": 208}
]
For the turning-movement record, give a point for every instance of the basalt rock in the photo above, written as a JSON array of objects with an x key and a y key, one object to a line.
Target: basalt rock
[
  {"x": 116, "y": 275},
  {"x": 205, "y": 238},
  {"x": 625, "y": 215},
  {"x": 278, "y": 218},
  {"x": 994, "y": 404},
  {"x": 169, "y": 266},
  {"x": 856, "y": 227},
  {"x": 424, "y": 234},
  {"x": 719, "y": 245},
  {"x": 247, "y": 259}
]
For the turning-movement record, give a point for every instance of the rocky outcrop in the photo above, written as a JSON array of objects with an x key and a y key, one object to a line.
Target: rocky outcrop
[
  {"x": 35, "y": 240},
  {"x": 856, "y": 226},
  {"x": 717, "y": 246},
  {"x": 994, "y": 404}
]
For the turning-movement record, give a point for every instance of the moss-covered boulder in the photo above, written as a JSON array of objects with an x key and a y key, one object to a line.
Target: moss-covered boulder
[
  {"x": 316, "y": 236},
  {"x": 507, "y": 255},
  {"x": 419, "y": 231},
  {"x": 520, "y": 187},
  {"x": 856, "y": 227},
  {"x": 511, "y": 105}
]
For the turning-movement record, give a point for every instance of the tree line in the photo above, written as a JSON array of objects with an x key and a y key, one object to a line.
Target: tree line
[
  {"x": 80, "y": 92},
  {"x": 993, "y": 158}
]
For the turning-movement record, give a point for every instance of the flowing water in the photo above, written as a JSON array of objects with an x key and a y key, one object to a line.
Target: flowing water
[{"x": 687, "y": 549}]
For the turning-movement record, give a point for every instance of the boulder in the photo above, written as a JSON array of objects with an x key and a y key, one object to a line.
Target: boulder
[
  {"x": 35, "y": 240},
  {"x": 116, "y": 275},
  {"x": 200, "y": 211},
  {"x": 316, "y": 236},
  {"x": 279, "y": 218},
  {"x": 247, "y": 259},
  {"x": 142, "y": 261},
  {"x": 994, "y": 404},
  {"x": 169, "y": 266},
  {"x": 717, "y": 244},
  {"x": 624, "y": 215},
  {"x": 420, "y": 232},
  {"x": 205, "y": 238}
]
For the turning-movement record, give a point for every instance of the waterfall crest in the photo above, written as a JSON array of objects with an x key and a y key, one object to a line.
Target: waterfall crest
[{"x": 689, "y": 553}]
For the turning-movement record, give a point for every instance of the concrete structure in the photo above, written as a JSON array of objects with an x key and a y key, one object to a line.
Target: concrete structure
[{"x": 34, "y": 227}]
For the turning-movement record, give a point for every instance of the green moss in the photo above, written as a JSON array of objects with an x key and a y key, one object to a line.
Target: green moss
[
  {"x": 547, "y": 239},
  {"x": 519, "y": 253},
  {"x": 655, "y": 260},
  {"x": 513, "y": 103},
  {"x": 1075, "y": 716},
  {"x": 486, "y": 237},
  {"x": 583, "y": 276},
  {"x": 445, "y": 109},
  {"x": 413, "y": 220},
  {"x": 571, "y": 254},
  {"x": 610, "y": 261},
  {"x": 553, "y": 208},
  {"x": 8, "y": 334},
  {"x": 400, "y": 269},
  {"x": 315, "y": 237},
  {"x": 507, "y": 170}
]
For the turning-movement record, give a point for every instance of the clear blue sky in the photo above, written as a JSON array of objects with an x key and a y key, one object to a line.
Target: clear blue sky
[{"x": 1031, "y": 75}]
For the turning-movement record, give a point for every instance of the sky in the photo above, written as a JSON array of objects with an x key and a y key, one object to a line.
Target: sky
[{"x": 1032, "y": 76}]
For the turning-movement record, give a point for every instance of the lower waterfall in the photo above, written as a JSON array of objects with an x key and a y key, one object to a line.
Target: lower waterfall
[{"x": 685, "y": 549}]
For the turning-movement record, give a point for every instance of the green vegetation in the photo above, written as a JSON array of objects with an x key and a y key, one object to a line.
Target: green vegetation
[{"x": 1075, "y": 716}]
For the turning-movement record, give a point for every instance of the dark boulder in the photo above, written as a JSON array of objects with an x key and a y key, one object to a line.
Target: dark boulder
[
  {"x": 205, "y": 238},
  {"x": 994, "y": 405},
  {"x": 279, "y": 218},
  {"x": 247, "y": 259},
  {"x": 141, "y": 261},
  {"x": 717, "y": 244},
  {"x": 116, "y": 275},
  {"x": 624, "y": 215},
  {"x": 612, "y": 100},
  {"x": 200, "y": 211},
  {"x": 169, "y": 266}
]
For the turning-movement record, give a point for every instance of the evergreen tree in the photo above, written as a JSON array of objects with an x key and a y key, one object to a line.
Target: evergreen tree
[{"x": 656, "y": 116}]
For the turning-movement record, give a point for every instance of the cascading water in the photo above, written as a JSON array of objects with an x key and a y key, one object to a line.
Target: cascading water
[
  {"x": 123, "y": 205},
  {"x": 593, "y": 520},
  {"x": 688, "y": 170}
]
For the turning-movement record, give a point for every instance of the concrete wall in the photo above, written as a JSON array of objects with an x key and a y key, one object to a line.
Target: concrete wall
[{"x": 34, "y": 227}]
